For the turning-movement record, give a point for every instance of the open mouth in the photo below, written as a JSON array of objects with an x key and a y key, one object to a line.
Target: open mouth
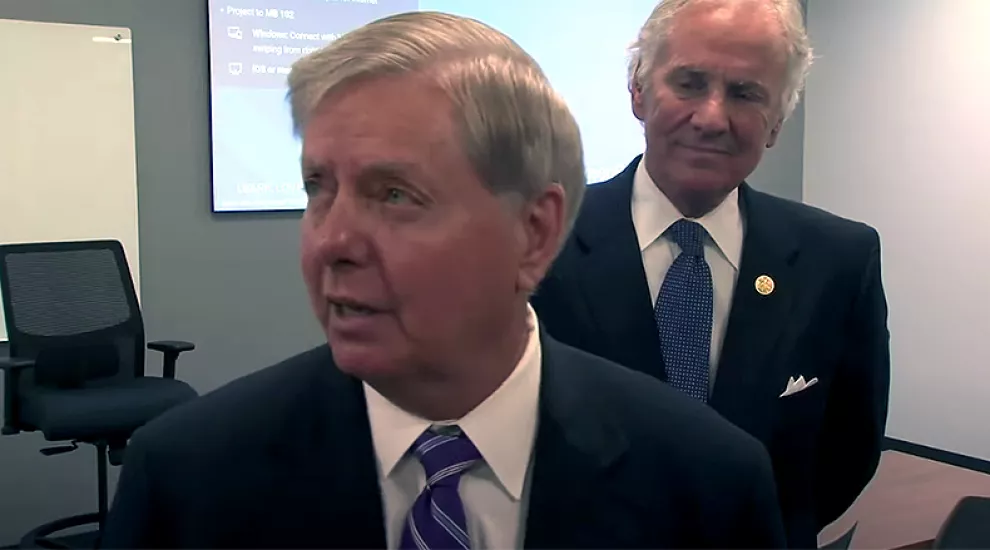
[{"x": 350, "y": 309}]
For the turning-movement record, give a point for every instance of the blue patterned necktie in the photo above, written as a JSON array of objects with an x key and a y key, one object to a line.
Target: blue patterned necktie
[
  {"x": 436, "y": 519},
  {"x": 684, "y": 312}
]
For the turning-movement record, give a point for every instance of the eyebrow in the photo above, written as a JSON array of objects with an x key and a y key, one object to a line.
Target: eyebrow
[
  {"x": 683, "y": 69},
  {"x": 694, "y": 69},
  {"x": 394, "y": 170},
  {"x": 309, "y": 166},
  {"x": 390, "y": 170},
  {"x": 385, "y": 166}
]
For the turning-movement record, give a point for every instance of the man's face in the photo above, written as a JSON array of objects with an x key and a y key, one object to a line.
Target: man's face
[
  {"x": 712, "y": 102},
  {"x": 410, "y": 262}
]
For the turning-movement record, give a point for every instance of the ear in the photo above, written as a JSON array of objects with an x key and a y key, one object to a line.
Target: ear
[
  {"x": 774, "y": 132},
  {"x": 636, "y": 98},
  {"x": 540, "y": 231}
]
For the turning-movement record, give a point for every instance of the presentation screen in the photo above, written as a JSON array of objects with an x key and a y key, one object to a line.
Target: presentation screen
[{"x": 580, "y": 44}]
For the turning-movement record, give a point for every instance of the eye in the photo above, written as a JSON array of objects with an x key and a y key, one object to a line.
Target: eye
[
  {"x": 395, "y": 195},
  {"x": 692, "y": 84},
  {"x": 310, "y": 186},
  {"x": 688, "y": 81},
  {"x": 746, "y": 93}
]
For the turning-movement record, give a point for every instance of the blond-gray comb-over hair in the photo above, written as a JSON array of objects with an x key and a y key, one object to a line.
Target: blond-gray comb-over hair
[
  {"x": 654, "y": 33},
  {"x": 518, "y": 134}
]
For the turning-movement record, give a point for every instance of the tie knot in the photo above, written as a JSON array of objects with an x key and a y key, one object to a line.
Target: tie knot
[
  {"x": 444, "y": 457},
  {"x": 688, "y": 235}
]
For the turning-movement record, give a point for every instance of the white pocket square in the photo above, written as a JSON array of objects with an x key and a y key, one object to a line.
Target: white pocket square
[{"x": 794, "y": 386}]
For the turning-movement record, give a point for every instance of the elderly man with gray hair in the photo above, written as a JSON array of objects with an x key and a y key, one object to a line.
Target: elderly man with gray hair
[
  {"x": 770, "y": 311},
  {"x": 443, "y": 174}
]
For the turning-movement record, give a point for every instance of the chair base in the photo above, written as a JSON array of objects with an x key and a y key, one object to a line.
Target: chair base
[{"x": 40, "y": 537}]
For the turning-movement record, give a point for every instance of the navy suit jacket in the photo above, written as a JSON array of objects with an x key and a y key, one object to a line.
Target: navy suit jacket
[
  {"x": 283, "y": 458},
  {"x": 826, "y": 319}
]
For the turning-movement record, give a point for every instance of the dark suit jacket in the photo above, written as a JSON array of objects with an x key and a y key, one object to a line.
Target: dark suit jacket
[
  {"x": 826, "y": 319},
  {"x": 283, "y": 458}
]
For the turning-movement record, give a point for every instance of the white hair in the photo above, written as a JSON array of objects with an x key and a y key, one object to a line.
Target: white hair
[
  {"x": 654, "y": 33},
  {"x": 516, "y": 131}
]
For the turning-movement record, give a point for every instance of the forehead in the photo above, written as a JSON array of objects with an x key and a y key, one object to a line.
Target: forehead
[
  {"x": 397, "y": 118},
  {"x": 740, "y": 40}
]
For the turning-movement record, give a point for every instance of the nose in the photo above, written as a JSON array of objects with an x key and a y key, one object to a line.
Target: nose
[
  {"x": 342, "y": 233},
  {"x": 711, "y": 118}
]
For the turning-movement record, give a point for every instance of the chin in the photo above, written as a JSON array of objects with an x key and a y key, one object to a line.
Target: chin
[
  {"x": 359, "y": 363},
  {"x": 363, "y": 360},
  {"x": 703, "y": 180}
]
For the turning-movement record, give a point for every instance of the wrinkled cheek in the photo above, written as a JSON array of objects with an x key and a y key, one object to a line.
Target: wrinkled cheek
[
  {"x": 434, "y": 302},
  {"x": 745, "y": 165},
  {"x": 312, "y": 270}
]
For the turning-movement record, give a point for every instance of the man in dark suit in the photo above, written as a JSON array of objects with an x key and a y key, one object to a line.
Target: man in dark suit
[
  {"x": 443, "y": 174},
  {"x": 770, "y": 311}
]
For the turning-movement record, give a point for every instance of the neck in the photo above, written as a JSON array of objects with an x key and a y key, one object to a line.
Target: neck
[
  {"x": 467, "y": 383},
  {"x": 691, "y": 203}
]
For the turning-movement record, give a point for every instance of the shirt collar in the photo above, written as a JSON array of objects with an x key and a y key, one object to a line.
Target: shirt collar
[
  {"x": 502, "y": 427},
  {"x": 653, "y": 213}
]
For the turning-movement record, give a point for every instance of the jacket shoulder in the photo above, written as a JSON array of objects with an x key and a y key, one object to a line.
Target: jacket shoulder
[
  {"x": 815, "y": 222},
  {"x": 238, "y": 411},
  {"x": 660, "y": 419}
]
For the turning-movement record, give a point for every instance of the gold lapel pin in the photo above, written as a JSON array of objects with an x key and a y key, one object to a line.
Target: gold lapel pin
[{"x": 764, "y": 285}]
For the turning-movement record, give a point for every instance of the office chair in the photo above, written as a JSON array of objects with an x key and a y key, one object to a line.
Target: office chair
[
  {"x": 968, "y": 525},
  {"x": 76, "y": 366}
]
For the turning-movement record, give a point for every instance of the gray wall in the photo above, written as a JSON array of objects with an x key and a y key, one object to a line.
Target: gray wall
[
  {"x": 230, "y": 284},
  {"x": 882, "y": 153},
  {"x": 782, "y": 170}
]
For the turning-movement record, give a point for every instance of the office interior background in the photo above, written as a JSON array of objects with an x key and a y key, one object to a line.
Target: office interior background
[{"x": 891, "y": 132}]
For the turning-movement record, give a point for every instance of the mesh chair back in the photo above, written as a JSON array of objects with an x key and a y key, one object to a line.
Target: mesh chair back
[{"x": 71, "y": 306}]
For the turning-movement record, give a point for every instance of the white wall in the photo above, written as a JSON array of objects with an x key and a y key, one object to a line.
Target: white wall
[
  {"x": 67, "y": 161},
  {"x": 897, "y": 116}
]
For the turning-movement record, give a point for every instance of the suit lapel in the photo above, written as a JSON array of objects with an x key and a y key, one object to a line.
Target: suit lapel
[
  {"x": 615, "y": 288},
  {"x": 756, "y": 321},
  {"x": 571, "y": 500},
  {"x": 332, "y": 452},
  {"x": 612, "y": 279}
]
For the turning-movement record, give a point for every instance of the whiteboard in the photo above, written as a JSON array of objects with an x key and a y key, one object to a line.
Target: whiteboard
[
  {"x": 67, "y": 156},
  {"x": 896, "y": 116}
]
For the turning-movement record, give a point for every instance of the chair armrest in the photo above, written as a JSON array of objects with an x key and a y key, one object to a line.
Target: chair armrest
[
  {"x": 968, "y": 525},
  {"x": 12, "y": 367},
  {"x": 11, "y": 364},
  {"x": 165, "y": 346},
  {"x": 171, "y": 350}
]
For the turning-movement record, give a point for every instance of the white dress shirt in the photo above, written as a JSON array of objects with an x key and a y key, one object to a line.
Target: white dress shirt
[
  {"x": 494, "y": 491},
  {"x": 653, "y": 213}
]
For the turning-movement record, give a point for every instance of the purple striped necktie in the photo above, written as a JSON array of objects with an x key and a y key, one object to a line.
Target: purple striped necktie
[{"x": 436, "y": 519}]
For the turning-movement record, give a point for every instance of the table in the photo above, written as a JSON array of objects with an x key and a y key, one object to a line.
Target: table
[{"x": 906, "y": 502}]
